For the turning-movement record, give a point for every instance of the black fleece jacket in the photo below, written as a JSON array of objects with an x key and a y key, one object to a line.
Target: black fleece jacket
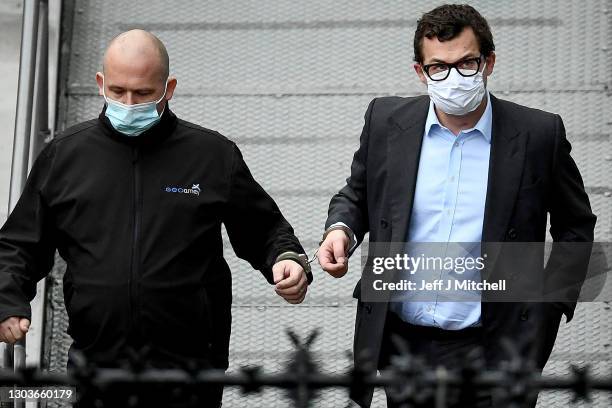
[{"x": 138, "y": 222}]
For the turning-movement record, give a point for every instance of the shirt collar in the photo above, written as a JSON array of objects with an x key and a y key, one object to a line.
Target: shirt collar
[{"x": 483, "y": 125}]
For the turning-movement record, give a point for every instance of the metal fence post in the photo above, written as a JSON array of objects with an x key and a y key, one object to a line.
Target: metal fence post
[
  {"x": 25, "y": 101},
  {"x": 23, "y": 129}
]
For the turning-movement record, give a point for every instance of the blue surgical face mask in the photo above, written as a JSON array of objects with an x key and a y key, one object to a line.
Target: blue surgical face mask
[{"x": 132, "y": 120}]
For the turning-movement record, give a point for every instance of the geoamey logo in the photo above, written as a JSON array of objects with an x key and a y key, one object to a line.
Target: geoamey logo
[{"x": 195, "y": 190}]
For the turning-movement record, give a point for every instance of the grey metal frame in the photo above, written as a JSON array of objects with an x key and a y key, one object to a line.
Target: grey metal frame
[{"x": 31, "y": 132}]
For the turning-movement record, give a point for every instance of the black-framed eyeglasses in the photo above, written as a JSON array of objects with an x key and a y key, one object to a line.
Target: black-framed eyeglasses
[{"x": 439, "y": 71}]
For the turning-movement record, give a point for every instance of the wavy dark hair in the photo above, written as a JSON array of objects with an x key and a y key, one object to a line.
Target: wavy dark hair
[{"x": 447, "y": 22}]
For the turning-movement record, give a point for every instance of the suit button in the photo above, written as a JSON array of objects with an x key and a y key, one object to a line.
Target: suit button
[
  {"x": 383, "y": 223},
  {"x": 512, "y": 233},
  {"x": 524, "y": 316},
  {"x": 368, "y": 309}
]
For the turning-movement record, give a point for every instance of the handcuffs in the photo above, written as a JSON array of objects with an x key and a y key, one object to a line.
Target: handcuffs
[{"x": 301, "y": 259}]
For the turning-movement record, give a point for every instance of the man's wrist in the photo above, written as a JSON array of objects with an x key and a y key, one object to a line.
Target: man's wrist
[
  {"x": 300, "y": 259},
  {"x": 347, "y": 231}
]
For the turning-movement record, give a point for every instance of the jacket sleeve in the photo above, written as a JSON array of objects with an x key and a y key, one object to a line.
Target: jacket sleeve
[
  {"x": 256, "y": 228},
  {"x": 572, "y": 225},
  {"x": 27, "y": 248},
  {"x": 349, "y": 206}
]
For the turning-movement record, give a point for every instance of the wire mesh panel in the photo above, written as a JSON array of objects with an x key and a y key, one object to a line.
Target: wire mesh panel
[{"x": 290, "y": 81}]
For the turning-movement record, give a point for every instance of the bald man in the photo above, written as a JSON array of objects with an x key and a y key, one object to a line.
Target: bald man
[{"x": 134, "y": 202}]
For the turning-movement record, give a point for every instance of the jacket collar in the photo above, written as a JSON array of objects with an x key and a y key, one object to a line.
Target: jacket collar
[
  {"x": 506, "y": 163},
  {"x": 508, "y": 144},
  {"x": 154, "y": 135},
  {"x": 403, "y": 152}
]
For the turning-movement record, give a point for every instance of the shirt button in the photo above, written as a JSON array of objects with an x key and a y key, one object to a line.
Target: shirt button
[{"x": 456, "y": 143}]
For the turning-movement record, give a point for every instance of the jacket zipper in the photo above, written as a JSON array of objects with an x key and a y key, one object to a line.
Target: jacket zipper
[{"x": 134, "y": 267}]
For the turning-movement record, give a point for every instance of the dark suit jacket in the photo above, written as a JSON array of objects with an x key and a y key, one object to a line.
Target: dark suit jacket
[{"x": 531, "y": 174}]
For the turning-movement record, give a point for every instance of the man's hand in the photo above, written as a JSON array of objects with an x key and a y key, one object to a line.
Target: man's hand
[
  {"x": 290, "y": 280},
  {"x": 13, "y": 329},
  {"x": 333, "y": 253}
]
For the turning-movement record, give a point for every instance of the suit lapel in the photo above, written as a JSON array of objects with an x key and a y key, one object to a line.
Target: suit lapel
[
  {"x": 508, "y": 146},
  {"x": 404, "y": 149},
  {"x": 505, "y": 170}
]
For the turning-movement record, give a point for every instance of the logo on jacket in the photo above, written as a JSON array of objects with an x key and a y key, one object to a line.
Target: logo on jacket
[{"x": 195, "y": 190}]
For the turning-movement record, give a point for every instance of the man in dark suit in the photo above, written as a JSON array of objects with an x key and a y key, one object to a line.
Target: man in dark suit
[{"x": 458, "y": 165}]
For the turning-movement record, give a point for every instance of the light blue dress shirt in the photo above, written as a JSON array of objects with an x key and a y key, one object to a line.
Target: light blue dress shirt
[{"x": 448, "y": 206}]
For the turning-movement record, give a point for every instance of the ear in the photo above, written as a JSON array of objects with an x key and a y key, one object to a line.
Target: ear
[
  {"x": 100, "y": 81},
  {"x": 419, "y": 71},
  {"x": 170, "y": 87},
  {"x": 490, "y": 64}
]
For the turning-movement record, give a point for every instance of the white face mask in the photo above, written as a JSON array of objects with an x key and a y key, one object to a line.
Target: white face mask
[{"x": 457, "y": 95}]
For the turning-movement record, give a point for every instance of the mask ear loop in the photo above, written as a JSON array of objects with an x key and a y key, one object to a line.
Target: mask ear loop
[
  {"x": 162, "y": 97},
  {"x": 165, "y": 91},
  {"x": 483, "y": 68},
  {"x": 104, "y": 89}
]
